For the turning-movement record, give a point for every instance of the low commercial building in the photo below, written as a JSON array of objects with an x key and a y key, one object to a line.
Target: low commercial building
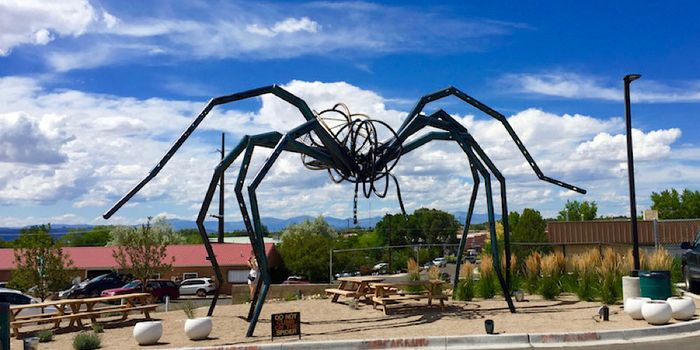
[{"x": 190, "y": 262}]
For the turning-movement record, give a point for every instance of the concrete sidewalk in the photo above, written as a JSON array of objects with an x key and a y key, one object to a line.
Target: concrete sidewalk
[{"x": 499, "y": 341}]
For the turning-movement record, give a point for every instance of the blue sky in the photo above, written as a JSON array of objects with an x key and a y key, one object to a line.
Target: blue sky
[{"x": 92, "y": 93}]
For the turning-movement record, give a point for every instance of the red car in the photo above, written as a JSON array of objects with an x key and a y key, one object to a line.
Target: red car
[{"x": 158, "y": 288}]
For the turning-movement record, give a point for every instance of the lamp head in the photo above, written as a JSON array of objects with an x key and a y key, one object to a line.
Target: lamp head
[{"x": 632, "y": 77}]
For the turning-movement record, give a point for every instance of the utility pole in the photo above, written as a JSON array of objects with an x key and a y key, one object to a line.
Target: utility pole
[
  {"x": 630, "y": 172},
  {"x": 221, "y": 192},
  {"x": 389, "y": 247}
]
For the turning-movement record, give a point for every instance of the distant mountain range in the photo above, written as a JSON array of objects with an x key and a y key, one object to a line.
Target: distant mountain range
[{"x": 273, "y": 224}]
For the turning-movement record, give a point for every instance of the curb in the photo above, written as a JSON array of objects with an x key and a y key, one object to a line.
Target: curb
[{"x": 503, "y": 341}]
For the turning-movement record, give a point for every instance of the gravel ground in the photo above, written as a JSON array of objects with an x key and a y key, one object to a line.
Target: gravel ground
[{"x": 323, "y": 320}]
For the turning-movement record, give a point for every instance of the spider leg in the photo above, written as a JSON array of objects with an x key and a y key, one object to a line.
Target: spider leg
[
  {"x": 435, "y": 135},
  {"x": 408, "y": 127},
  {"x": 257, "y": 226},
  {"x": 343, "y": 160},
  {"x": 458, "y": 133},
  {"x": 246, "y": 143},
  {"x": 499, "y": 177},
  {"x": 268, "y": 140}
]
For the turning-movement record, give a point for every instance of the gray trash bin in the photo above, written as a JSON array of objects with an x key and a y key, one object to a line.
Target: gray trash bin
[{"x": 31, "y": 343}]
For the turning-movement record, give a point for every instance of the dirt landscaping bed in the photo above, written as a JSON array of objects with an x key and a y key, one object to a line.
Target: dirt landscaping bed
[{"x": 323, "y": 320}]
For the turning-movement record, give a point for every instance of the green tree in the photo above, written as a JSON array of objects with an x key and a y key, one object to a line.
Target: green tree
[
  {"x": 578, "y": 211},
  {"x": 41, "y": 264},
  {"x": 98, "y": 236},
  {"x": 673, "y": 205},
  {"x": 513, "y": 219},
  {"x": 430, "y": 226},
  {"x": 690, "y": 204},
  {"x": 189, "y": 236},
  {"x": 142, "y": 251},
  {"x": 530, "y": 229},
  {"x": 306, "y": 246}
]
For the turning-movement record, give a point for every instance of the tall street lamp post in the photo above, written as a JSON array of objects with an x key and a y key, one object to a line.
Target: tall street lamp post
[{"x": 630, "y": 170}]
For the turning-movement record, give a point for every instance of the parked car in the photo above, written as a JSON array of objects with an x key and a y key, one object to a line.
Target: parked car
[
  {"x": 440, "y": 262},
  {"x": 380, "y": 266},
  {"x": 199, "y": 286},
  {"x": 159, "y": 289},
  {"x": 95, "y": 286},
  {"x": 471, "y": 257},
  {"x": 296, "y": 280},
  {"x": 15, "y": 297},
  {"x": 690, "y": 262}
]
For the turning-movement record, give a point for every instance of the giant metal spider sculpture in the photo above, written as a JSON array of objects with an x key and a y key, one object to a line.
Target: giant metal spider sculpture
[{"x": 348, "y": 147}]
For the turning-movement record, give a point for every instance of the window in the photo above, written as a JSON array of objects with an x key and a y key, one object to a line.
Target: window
[
  {"x": 237, "y": 276},
  {"x": 188, "y": 275}
]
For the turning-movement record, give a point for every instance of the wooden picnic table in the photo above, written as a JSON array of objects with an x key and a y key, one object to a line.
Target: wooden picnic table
[
  {"x": 355, "y": 287},
  {"x": 391, "y": 292},
  {"x": 75, "y": 310}
]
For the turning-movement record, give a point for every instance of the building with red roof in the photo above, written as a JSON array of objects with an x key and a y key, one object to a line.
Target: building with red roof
[{"x": 190, "y": 261}]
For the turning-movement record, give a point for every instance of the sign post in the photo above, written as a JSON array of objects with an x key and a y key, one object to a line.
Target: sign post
[{"x": 286, "y": 324}]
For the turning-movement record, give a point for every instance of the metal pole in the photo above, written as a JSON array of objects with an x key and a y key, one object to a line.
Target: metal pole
[
  {"x": 630, "y": 171},
  {"x": 4, "y": 326},
  {"x": 221, "y": 194},
  {"x": 330, "y": 268}
]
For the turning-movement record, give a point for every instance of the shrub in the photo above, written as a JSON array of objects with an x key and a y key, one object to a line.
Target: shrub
[
  {"x": 486, "y": 287},
  {"x": 532, "y": 272},
  {"x": 584, "y": 267},
  {"x": 98, "y": 327},
  {"x": 86, "y": 341},
  {"x": 551, "y": 272},
  {"x": 188, "y": 308},
  {"x": 413, "y": 275},
  {"x": 610, "y": 277},
  {"x": 45, "y": 335},
  {"x": 465, "y": 286}
]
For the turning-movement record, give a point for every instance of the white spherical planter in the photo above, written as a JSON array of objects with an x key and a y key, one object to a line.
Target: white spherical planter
[
  {"x": 657, "y": 312},
  {"x": 683, "y": 308},
  {"x": 148, "y": 333},
  {"x": 198, "y": 328},
  {"x": 633, "y": 307}
]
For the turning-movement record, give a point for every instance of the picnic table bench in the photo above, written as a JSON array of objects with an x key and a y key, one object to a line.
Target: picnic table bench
[
  {"x": 77, "y": 310},
  {"x": 391, "y": 293},
  {"x": 353, "y": 287}
]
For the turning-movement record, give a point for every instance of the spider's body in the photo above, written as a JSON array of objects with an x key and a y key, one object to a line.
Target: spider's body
[{"x": 354, "y": 148}]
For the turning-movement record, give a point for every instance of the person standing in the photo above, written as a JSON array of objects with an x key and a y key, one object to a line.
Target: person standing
[{"x": 252, "y": 274}]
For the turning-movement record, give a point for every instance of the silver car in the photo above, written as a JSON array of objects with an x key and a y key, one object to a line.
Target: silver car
[
  {"x": 199, "y": 286},
  {"x": 15, "y": 297}
]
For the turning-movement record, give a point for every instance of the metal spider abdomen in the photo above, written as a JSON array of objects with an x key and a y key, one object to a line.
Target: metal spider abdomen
[{"x": 359, "y": 136}]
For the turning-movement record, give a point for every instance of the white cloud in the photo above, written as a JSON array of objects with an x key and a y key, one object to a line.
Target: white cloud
[
  {"x": 289, "y": 25},
  {"x": 38, "y": 22},
  {"x": 22, "y": 140},
  {"x": 249, "y": 30},
  {"x": 105, "y": 144},
  {"x": 572, "y": 85}
]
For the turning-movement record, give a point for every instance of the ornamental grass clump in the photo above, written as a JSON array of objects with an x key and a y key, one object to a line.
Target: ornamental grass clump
[
  {"x": 629, "y": 261},
  {"x": 532, "y": 272},
  {"x": 486, "y": 287},
  {"x": 551, "y": 272},
  {"x": 514, "y": 276},
  {"x": 660, "y": 260},
  {"x": 465, "y": 285},
  {"x": 413, "y": 275},
  {"x": 584, "y": 267},
  {"x": 610, "y": 276}
]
